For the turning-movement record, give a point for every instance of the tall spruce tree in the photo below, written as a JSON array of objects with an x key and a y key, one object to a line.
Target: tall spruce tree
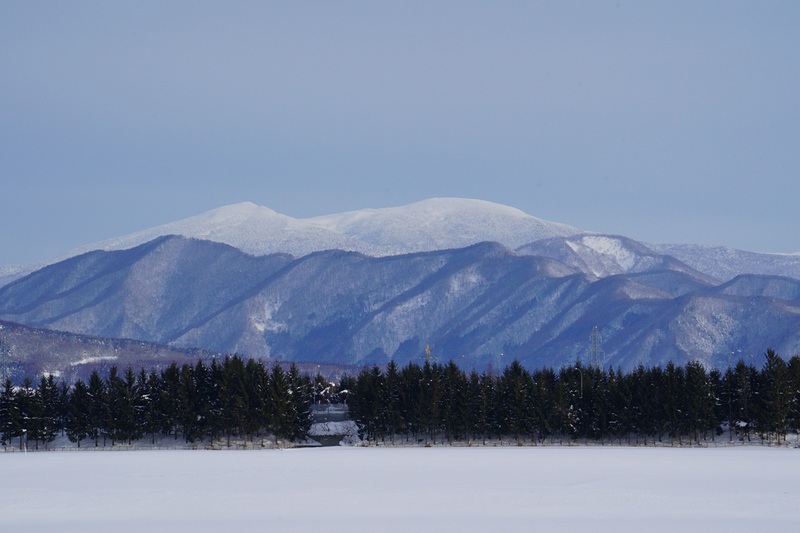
[
  {"x": 79, "y": 421},
  {"x": 775, "y": 400},
  {"x": 10, "y": 417}
]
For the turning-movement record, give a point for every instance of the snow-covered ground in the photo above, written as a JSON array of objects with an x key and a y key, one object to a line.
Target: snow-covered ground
[{"x": 404, "y": 489}]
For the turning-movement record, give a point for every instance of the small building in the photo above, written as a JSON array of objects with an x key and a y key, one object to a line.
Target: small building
[{"x": 332, "y": 425}]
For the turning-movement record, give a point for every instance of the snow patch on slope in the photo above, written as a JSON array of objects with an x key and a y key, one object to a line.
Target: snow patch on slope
[{"x": 611, "y": 248}]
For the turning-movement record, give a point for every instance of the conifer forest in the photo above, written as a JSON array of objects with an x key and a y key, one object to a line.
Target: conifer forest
[{"x": 418, "y": 404}]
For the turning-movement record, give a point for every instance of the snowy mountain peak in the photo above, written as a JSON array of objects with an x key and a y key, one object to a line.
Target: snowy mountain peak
[
  {"x": 439, "y": 223},
  {"x": 428, "y": 225},
  {"x": 432, "y": 209},
  {"x": 436, "y": 224}
]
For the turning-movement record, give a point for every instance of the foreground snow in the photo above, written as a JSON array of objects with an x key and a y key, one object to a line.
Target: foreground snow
[{"x": 404, "y": 489}]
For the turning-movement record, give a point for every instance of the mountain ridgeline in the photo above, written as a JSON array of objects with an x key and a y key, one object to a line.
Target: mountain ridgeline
[{"x": 481, "y": 305}]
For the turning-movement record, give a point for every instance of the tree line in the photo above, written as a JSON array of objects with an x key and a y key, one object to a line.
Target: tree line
[
  {"x": 421, "y": 403},
  {"x": 431, "y": 402},
  {"x": 194, "y": 402}
]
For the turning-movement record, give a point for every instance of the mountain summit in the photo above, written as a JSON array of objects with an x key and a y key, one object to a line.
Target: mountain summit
[
  {"x": 430, "y": 225},
  {"x": 471, "y": 279},
  {"x": 434, "y": 224},
  {"x": 438, "y": 224}
]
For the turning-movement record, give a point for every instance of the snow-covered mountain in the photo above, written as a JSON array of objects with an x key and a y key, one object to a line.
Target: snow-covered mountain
[
  {"x": 438, "y": 224},
  {"x": 476, "y": 305},
  {"x": 472, "y": 279},
  {"x": 434, "y": 224},
  {"x": 608, "y": 255},
  {"x": 251, "y": 228},
  {"x": 726, "y": 263}
]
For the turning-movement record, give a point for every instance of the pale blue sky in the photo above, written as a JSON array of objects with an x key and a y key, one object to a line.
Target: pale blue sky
[{"x": 663, "y": 121}]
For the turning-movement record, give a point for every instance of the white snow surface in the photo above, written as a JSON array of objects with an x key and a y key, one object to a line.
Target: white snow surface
[
  {"x": 433, "y": 224},
  {"x": 440, "y": 223},
  {"x": 505, "y": 489},
  {"x": 611, "y": 247}
]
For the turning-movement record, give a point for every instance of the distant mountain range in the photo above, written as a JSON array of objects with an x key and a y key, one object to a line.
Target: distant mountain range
[{"x": 477, "y": 282}]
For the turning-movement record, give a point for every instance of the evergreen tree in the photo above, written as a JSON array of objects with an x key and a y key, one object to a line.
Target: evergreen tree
[
  {"x": 170, "y": 400},
  {"x": 776, "y": 397},
  {"x": 674, "y": 409},
  {"x": 430, "y": 399},
  {"x": 366, "y": 402},
  {"x": 413, "y": 412},
  {"x": 79, "y": 421},
  {"x": 47, "y": 410},
  {"x": 214, "y": 394},
  {"x": 255, "y": 416},
  {"x": 543, "y": 402},
  {"x": 793, "y": 369},
  {"x": 62, "y": 408},
  {"x": 745, "y": 377},
  {"x": 204, "y": 401},
  {"x": 152, "y": 421},
  {"x": 301, "y": 399},
  {"x": 281, "y": 419},
  {"x": 123, "y": 407},
  {"x": 10, "y": 417},
  {"x": 515, "y": 405},
  {"x": 699, "y": 400},
  {"x": 454, "y": 418},
  {"x": 189, "y": 406},
  {"x": 619, "y": 396},
  {"x": 28, "y": 413},
  {"x": 391, "y": 410},
  {"x": 98, "y": 410}
]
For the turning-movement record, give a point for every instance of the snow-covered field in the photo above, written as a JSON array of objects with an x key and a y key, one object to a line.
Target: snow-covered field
[{"x": 404, "y": 489}]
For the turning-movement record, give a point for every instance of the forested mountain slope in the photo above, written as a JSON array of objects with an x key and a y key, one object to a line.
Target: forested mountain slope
[{"x": 479, "y": 305}]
